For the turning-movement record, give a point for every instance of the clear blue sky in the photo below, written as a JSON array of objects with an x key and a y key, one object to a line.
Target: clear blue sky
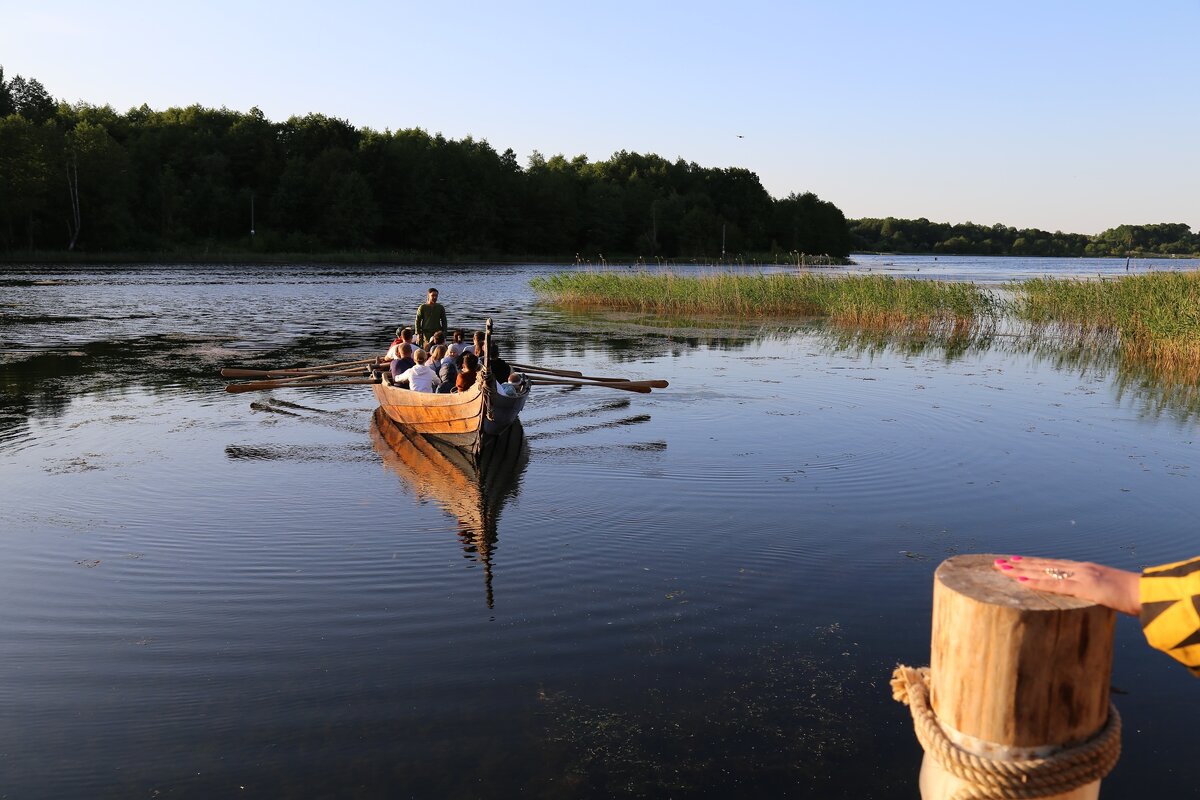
[{"x": 1066, "y": 116}]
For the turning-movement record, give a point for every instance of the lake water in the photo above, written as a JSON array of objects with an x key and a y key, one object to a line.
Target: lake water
[{"x": 695, "y": 593}]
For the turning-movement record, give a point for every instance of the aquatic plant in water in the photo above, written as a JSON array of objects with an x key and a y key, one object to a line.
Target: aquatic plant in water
[
  {"x": 867, "y": 300},
  {"x": 1155, "y": 316}
]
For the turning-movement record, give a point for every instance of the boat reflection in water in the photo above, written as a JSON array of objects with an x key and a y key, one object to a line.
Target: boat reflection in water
[{"x": 474, "y": 493}]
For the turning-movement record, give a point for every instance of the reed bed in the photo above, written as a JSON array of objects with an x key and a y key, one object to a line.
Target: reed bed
[
  {"x": 875, "y": 301},
  {"x": 1156, "y": 316}
]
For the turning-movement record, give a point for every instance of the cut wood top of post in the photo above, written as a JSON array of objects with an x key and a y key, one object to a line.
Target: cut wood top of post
[
  {"x": 973, "y": 576},
  {"x": 1014, "y": 667}
]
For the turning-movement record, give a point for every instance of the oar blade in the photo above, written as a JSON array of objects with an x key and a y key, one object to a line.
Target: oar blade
[{"x": 624, "y": 387}]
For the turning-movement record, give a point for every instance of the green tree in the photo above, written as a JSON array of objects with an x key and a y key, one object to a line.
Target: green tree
[
  {"x": 95, "y": 169},
  {"x": 30, "y": 99},
  {"x": 7, "y": 106},
  {"x": 25, "y": 170},
  {"x": 350, "y": 216}
]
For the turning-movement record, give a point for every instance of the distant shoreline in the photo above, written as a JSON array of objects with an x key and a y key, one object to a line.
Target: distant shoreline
[
  {"x": 423, "y": 259},
  {"x": 1143, "y": 256},
  {"x": 390, "y": 258}
]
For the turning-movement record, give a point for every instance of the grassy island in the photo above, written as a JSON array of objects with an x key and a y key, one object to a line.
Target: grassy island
[
  {"x": 1156, "y": 316},
  {"x": 870, "y": 300}
]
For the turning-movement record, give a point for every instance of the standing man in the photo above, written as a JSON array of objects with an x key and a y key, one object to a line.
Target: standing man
[{"x": 431, "y": 318}]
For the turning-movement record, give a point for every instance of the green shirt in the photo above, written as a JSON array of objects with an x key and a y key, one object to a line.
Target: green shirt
[{"x": 431, "y": 318}]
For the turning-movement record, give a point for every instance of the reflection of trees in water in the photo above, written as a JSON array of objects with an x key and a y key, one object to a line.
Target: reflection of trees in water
[
  {"x": 44, "y": 383},
  {"x": 1085, "y": 350}
]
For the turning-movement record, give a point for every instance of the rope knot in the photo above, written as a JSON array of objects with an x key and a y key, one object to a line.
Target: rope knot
[
  {"x": 998, "y": 778},
  {"x": 905, "y": 677}
]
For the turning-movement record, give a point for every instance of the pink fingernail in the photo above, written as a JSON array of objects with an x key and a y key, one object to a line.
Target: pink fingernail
[
  {"x": 1006, "y": 566},
  {"x": 1000, "y": 561},
  {"x": 1022, "y": 578},
  {"x": 1015, "y": 558}
]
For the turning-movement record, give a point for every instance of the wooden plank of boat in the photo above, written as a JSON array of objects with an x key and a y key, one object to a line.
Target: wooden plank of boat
[{"x": 456, "y": 418}]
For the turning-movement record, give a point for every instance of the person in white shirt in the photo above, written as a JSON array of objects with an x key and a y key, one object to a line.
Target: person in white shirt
[
  {"x": 457, "y": 346},
  {"x": 511, "y": 387},
  {"x": 476, "y": 345},
  {"x": 405, "y": 337},
  {"x": 420, "y": 378}
]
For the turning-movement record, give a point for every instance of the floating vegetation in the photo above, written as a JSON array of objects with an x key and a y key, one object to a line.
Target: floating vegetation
[
  {"x": 299, "y": 453},
  {"x": 866, "y": 300},
  {"x": 1156, "y": 316},
  {"x": 788, "y": 724},
  {"x": 67, "y": 466}
]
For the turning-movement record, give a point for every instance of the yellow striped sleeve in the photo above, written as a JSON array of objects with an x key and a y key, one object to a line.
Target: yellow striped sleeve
[{"x": 1171, "y": 610}]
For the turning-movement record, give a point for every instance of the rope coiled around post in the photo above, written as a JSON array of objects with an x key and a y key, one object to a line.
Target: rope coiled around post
[{"x": 1000, "y": 779}]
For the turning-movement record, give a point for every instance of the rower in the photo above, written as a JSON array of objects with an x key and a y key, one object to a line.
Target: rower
[
  {"x": 405, "y": 337},
  {"x": 404, "y": 361},
  {"x": 420, "y": 378}
]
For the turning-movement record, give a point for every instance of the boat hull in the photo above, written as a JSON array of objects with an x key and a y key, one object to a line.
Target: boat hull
[{"x": 460, "y": 419}]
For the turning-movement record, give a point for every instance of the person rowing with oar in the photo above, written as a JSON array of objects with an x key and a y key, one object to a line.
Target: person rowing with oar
[
  {"x": 404, "y": 336},
  {"x": 403, "y": 361}
]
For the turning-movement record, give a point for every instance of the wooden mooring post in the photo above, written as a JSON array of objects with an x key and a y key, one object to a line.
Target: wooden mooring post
[{"x": 1015, "y": 701}]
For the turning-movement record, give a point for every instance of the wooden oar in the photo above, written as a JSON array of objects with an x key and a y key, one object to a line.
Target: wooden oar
[
  {"x": 627, "y": 386},
  {"x": 298, "y": 379},
  {"x": 569, "y": 373},
  {"x": 653, "y": 384},
  {"x": 234, "y": 372},
  {"x": 656, "y": 383},
  {"x": 254, "y": 386},
  {"x": 334, "y": 366}
]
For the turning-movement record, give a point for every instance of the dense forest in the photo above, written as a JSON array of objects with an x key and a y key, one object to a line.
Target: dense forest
[
  {"x": 922, "y": 236},
  {"x": 195, "y": 180},
  {"x": 201, "y": 180}
]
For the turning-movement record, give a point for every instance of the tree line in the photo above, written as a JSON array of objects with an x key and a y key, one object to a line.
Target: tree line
[
  {"x": 893, "y": 235},
  {"x": 85, "y": 177}
]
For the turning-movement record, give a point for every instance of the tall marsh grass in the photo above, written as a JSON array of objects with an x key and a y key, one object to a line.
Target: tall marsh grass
[
  {"x": 1156, "y": 316},
  {"x": 865, "y": 300}
]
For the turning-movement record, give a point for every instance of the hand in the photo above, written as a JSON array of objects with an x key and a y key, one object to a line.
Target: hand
[{"x": 1115, "y": 588}]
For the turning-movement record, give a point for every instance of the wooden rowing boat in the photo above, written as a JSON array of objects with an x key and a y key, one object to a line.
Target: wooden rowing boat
[
  {"x": 473, "y": 490},
  {"x": 462, "y": 419}
]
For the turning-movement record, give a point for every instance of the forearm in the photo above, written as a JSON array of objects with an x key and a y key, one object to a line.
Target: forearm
[
  {"x": 1170, "y": 610},
  {"x": 1166, "y": 599}
]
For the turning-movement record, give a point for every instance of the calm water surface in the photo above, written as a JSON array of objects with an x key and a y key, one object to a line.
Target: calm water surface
[{"x": 695, "y": 593}]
